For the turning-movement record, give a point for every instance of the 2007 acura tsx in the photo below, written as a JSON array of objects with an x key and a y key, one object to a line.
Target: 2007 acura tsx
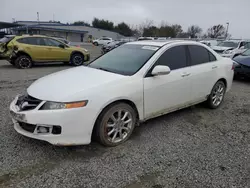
[{"x": 130, "y": 84}]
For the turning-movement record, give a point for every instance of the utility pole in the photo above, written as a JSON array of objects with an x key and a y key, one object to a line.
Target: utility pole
[
  {"x": 227, "y": 29},
  {"x": 53, "y": 17},
  {"x": 38, "y": 17}
]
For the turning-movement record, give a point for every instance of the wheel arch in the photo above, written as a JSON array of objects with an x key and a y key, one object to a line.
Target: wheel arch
[
  {"x": 224, "y": 81},
  {"x": 76, "y": 52},
  {"x": 19, "y": 53},
  {"x": 111, "y": 103}
]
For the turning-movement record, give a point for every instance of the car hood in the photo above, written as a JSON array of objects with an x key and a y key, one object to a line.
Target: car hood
[
  {"x": 244, "y": 60},
  {"x": 60, "y": 86},
  {"x": 221, "y": 48}
]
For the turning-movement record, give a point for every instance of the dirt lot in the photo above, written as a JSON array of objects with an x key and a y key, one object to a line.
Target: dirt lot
[{"x": 194, "y": 147}]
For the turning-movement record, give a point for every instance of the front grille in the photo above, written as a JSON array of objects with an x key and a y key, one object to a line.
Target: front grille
[
  {"x": 27, "y": 127},
  {"x": 26, "y": 102}
]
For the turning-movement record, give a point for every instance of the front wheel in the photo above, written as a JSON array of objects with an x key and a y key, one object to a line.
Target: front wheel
[
  {"x": 217, "y": 95},
  {"x": 115, "y": 124},
  {"x": 23, "y": 62},
  {"x": 77, "y": 59}
]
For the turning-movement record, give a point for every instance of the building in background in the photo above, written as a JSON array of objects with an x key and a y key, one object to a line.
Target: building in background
[{"x": 70, "y": 32}]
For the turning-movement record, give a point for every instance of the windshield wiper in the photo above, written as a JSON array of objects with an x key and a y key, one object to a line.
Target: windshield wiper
[{"x": 103, "y": 69}]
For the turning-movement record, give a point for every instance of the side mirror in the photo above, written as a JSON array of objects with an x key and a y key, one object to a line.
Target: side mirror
[
  {"x": 61, "y": 46},
  {"x": 160, "y": 70}
]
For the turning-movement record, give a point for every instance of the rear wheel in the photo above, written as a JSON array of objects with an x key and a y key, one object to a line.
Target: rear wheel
[
  {"x": 23, "y": 62},
  {"x": 115, "y": 124},
  {"x": 77, "y": 59},
  {"x": 95, "y": 43},
  {"x": 217, "y": 95}
]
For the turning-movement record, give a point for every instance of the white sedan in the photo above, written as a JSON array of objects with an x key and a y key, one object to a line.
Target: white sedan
[{"x": 132, "y": 83}]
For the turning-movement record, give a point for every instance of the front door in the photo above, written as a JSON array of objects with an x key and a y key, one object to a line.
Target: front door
[
  {"x": 54, "y": 52},
  {"x": 168, "y": 92}
]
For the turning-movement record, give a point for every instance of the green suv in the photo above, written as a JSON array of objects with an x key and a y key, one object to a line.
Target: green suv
[{"x": 23, "y": 51}]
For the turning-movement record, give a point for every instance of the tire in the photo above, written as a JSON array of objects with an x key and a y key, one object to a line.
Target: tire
[
  {"x": 216, "y": 96},
  {"x": 23, "y": 62},
  {"x": 95, "y": 43},
  {"x": 110, "y": 130},
  {"x": 77, "y": 59}
]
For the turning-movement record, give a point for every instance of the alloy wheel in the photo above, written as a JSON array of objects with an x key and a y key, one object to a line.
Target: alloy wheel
[
  {"x": 118, "y": 126},
  {"x": 218, "y": 94},
  {"x": 25, "y": 63},
  {"x": 77, "y": 60}
]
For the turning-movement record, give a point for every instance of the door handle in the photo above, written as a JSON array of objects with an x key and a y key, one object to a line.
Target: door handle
[
  {"x": 185, "y": 74},
  {"x": 214, "y": 67}
]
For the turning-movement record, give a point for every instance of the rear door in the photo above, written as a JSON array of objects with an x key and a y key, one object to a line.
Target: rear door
[
  {"x": 54, "y": 52},
  {"x": 204, "y": 69},
  {"x": 34, "y": 46}
]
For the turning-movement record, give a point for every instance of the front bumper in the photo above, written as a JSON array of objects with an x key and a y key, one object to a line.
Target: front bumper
[
  {"x": 87, "y": 57},
  {"x": 75, "y": 124}
]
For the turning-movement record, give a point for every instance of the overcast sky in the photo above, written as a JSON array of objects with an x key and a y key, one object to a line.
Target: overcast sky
[{"x": 204, "y": 13}]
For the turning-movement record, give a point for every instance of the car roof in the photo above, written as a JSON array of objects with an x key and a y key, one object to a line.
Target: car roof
[{"x": 161, "y": 43}]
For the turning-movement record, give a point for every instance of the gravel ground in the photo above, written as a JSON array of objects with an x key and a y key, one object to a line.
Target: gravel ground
[{"x": 194, "y": 147}]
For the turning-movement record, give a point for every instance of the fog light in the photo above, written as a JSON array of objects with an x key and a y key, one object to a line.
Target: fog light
[{"x": 41, "y": 129}]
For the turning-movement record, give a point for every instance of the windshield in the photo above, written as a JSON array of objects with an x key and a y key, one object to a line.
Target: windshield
[
  {"x": 228, "y": 44},
  {"x": 246, "y": 53},
  {"x": 126, "y": 59}
]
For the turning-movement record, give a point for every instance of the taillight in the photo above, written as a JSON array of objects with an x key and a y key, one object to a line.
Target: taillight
[{"x": 235, "y": 64}]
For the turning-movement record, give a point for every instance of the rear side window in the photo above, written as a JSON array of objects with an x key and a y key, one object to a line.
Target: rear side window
[
  {"x": 174, "y": 58},
  {"x": 29, "y": 40},
  {"x": 32, "y": 41},
  {"x": 200, "y": 55}
]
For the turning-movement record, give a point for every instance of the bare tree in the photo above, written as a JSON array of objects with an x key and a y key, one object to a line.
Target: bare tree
[
  {"x": 194, "y": 30},
  {"x": 216, "y": 31},
  {"x": 145, "y": 25}
]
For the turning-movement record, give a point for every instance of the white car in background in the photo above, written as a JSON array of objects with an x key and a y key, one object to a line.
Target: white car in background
[
  {"x": 230, "y": 48},
  {"x": 145, "y": 38},
  {"x": 102, "y": 41},
  {"x": 108, "y": 98},
  {"x": 209, "y": 43}
]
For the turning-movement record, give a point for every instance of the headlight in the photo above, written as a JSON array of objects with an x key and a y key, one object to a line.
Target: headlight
[{"x": 58, "y": 105}]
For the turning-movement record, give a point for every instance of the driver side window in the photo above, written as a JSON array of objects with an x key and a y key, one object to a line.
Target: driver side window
[
  {"x": 52, "y": 42},
  {"x": 174, "y": 58}
]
